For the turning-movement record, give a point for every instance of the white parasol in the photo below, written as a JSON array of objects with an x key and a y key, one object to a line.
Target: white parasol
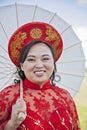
[{"x": 70, "y": 66}]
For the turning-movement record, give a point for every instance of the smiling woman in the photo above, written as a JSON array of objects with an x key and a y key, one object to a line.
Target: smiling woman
[
  {"x": 34, "y": 102},
  {"x": 37, "y": 67}
]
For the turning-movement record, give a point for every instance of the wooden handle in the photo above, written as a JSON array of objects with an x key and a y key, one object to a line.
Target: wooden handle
[
  {"x": 21, "y": 115},
  {"x": 21, "y": 89}
]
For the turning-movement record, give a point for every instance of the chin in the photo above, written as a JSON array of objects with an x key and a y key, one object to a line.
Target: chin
[{"x": 38, "y": 81}]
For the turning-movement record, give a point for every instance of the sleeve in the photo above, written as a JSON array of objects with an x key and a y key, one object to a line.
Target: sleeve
[
  {"x": 73, "y": 111},
  {"x": 7, "y": 98},
  {"x": 4, "y": 114}
]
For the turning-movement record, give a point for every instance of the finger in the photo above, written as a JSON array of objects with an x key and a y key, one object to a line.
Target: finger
[
  {"x": 18, "y": 114},
  {"x": 21, "y": 104}
]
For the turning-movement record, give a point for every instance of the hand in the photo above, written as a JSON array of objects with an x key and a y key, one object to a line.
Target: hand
[{"x": 18, "y": 114}]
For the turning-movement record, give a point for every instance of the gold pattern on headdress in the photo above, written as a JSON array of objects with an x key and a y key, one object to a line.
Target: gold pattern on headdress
[
  {"x": 16, "y": 45},
  {"x": 36, "y": 33},
  {"x": 53, "y": 36}
]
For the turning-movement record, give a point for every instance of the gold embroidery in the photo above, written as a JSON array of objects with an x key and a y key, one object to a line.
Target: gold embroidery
[
  {"x": 53, "y": 36},
  {"x": 16, "y": 45},
  {"x": 23, "y": 127},
  {"x": 37, "y": 122},
  {"x": 63, "y": 120},
  {"x": 36, "y": 33}
]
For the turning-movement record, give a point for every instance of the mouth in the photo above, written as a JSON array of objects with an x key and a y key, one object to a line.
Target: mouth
[{"x": 39, "y": 73}]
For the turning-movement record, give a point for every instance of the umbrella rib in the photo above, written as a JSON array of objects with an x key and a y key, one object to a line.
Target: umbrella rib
[
  {"x": 4, "y": 30},
  {"x": 71, "y": 61},
  {"x": 77, "y": 43},
  {"x": 5, "y": 71},
  {"x": 52, "y": 17},
  {"x": 65, "y": 29},
  {"x": 16, "y": 9},
  {"x": 6, "y": 68},
  {"x": 34, "y": 13},
  {"x": 8, "y": 81},
  {"x": 68, "y": 87},
  {"x": 4, "y": 57},
  {"x": 6, "y": 63},
  {"x": 72, "y": 74},
  {"x": 3, "y": 49},
  {"x": 9, "y": 74}
]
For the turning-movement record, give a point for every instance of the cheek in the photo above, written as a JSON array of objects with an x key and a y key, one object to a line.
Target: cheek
[
  {"x": 27, "y": 67},
  {"x": 28, "y": 70},
  {"x": 50, "y": 66}
]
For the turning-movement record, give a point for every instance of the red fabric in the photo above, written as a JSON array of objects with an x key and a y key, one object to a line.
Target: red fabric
[{"x": 48, "y": 108}]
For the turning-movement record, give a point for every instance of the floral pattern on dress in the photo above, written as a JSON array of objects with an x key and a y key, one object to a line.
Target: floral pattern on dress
[{"x": 48, "y": 108}]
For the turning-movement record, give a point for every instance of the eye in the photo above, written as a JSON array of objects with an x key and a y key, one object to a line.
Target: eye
[
  {"x": 30, "y": 59},
  {"x": 46, "y": 59}
]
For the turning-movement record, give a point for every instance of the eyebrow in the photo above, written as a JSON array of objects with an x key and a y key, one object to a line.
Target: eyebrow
[
  {"x": 31, "y": 56},
  {"x": 34, "y": 56}
]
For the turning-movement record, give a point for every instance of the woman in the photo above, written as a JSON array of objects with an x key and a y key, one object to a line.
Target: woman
[{"x": 34, "y": 48}]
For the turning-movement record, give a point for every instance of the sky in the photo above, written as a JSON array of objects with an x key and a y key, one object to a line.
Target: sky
[{"x": 72, "y": 11}]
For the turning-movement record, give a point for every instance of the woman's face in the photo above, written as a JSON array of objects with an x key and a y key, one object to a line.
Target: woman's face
[{"x": 39, "y": 64}]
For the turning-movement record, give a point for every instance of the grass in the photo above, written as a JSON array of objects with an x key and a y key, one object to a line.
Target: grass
[
  {"x": 81, "y": 103},
  {"x": 82, "y": 111}
]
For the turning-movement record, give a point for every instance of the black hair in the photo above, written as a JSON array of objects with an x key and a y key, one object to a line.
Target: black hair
[{"x": 23, "y": 56}]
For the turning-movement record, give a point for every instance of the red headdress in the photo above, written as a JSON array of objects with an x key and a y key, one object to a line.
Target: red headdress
[{"x": 34, "y": 31}]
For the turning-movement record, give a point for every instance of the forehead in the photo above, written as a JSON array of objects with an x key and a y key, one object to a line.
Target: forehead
[{"x": 40, "y": 48}]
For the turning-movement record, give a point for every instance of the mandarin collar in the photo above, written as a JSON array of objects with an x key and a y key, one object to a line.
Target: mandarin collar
[{"x": 29, "y": 84}]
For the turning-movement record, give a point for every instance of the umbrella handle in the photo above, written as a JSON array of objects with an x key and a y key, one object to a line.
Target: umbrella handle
[
  {"x": 21, "y": 89},
  {"x": 21, "y": 115}
]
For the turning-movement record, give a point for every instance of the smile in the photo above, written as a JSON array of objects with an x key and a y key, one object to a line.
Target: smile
[{"x": 39, "y": 72}]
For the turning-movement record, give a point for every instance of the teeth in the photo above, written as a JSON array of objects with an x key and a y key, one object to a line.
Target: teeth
[{"x": 39, "y": 72}]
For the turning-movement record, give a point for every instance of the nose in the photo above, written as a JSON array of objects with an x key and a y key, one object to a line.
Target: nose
[{"x": 39, "y": 64}]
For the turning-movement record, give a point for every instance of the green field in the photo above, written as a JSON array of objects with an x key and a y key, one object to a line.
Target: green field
[{"x": 81, "y": 103}]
